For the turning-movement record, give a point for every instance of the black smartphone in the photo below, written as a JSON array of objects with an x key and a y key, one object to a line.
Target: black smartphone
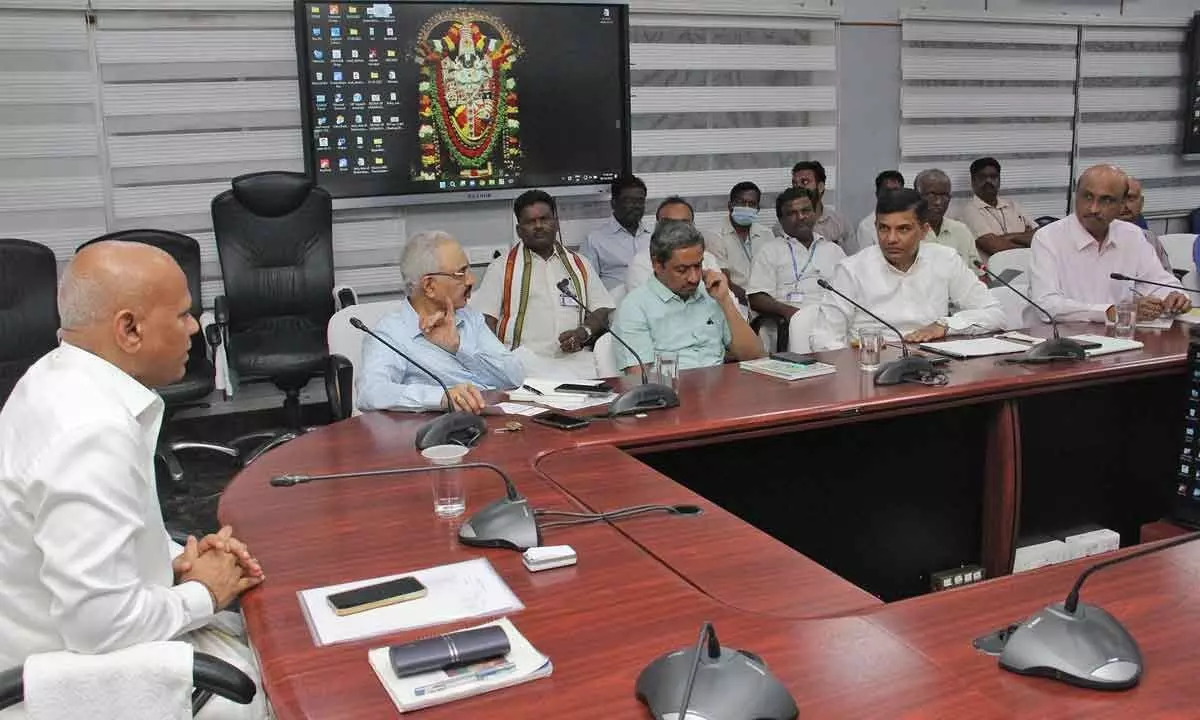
[
  {"x": 1089, "y": 344},
  {"x": 793, "y": 358},
  {"x": 561, "y": 421},
  {"x": 370, "y": 597},
  {"x": 593, "y": 390}
]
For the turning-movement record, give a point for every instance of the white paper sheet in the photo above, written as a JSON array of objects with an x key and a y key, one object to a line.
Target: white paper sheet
[
  {"x": 512, "y": 408},
  {"x": 559, "y": 400},
  {"x": 455, "y": 592},
  {"x": 976, "y": 347},
  {"x": 1163, "y": 323}
]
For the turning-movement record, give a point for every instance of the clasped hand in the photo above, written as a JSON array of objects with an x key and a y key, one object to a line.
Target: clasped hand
[{"x": 220, "y": 562}]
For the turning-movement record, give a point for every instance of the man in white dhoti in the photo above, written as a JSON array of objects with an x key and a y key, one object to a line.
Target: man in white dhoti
[{"x": 85, "y": 561}]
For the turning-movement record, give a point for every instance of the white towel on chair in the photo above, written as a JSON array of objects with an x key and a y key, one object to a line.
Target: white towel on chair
[{"x": 151, "y": 681}]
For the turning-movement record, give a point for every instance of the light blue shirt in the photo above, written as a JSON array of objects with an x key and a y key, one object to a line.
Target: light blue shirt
[
  {"x": 610, "y": 248},
  {"x": 387, "y": 381},
  {"x": 653, "y": 319}
]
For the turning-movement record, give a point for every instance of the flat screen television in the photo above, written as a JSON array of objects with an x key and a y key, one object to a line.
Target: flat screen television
[{"x": 439, "y": 101}]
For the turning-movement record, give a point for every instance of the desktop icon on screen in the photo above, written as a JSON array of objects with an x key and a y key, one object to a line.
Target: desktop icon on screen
[
  {"x": 323, "y": 142},
  {"x": 319, "y": 76},
  {"x": 316, "y": 32},
  {"x": 391, "y": 53},
  {"x": 377, "y": 142},
  {"x": 315, "y": 10},
  {"x": 372, "y": 53},
  {"x": 378, "y": 161},
  {"x": 318, "y": 55},
  {"x": 335, "y": 54},
  {"x": 393, "y": 97},
  {"x": 343, "y": 163},
  {"x": 324, "y": 163},
  {"x": 376, "y": 119},
  {"x": 390, "y": 32},
  {"x": 371, "y": 31},
  {"x": 357, "y": 97},
  {"x": 391, "y": 74},
  {"x": 355, "y": 75},
  {"x": 353, "y": 32},
  {"x": 341, "y": 142},
  {"x": 320, "y": 99},
  {"x": 340, "y": 120},
  {"x": 322, "y": 120},
  {"x": 362, "y": 162},
  {"x": 358, "y": 140},
  {"x": 374, "y": 75},
  {"x": 338, "y": 98},
  {"x": 358, "y": 119},
  {"x": 375, "y": 97},
  {"x": 335, "y": 32},
  {"x": 334, "y": 8},
  {"x": 353, "y": 54},
  {"x": 337, "y": 76}
]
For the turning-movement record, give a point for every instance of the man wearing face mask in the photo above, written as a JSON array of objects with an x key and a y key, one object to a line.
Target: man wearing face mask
[
  {"x": 610, "y": 247},
  {"x": 641, "y": 268},
  {"x": 784, "y": 275},
  {"x": 739, "y": 237},
  {"x": 1073, "y": 258},
  {"x": 934, "y": 186},
  {"x": 435, "y": 328},
  {"x": 519, "y": 296},
  {"x": 998, "y": 223}
]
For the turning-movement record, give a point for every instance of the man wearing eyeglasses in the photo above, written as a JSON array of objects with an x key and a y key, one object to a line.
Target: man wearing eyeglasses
[
  {"x": 1073, "y": 257},
  {"x": 519, "y": 297},
  {"x": 435, "y": 328}
]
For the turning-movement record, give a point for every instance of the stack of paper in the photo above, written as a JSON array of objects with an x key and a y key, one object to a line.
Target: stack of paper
[
  {"x": 976, "y": 347},
  {"x": 785, "y": 370},
  {"x": 1108, "y": 345},
  {"x": 522, "y": 664},
  {"x": 455, "y": 592},
  {"x": 550, "y": 397}
]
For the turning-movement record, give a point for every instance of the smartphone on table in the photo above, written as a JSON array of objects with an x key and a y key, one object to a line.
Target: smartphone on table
[
  {"x": 378, "y": 595},
  {"x": 594, "y": 390},
  {"x": 561, "y": 421}
]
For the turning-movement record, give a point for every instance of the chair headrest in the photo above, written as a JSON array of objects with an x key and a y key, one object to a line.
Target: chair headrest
[{"x": 272, "y": 194}]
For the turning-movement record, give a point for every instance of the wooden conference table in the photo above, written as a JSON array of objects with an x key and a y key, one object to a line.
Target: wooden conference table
[{"x": 643, "y": 586}]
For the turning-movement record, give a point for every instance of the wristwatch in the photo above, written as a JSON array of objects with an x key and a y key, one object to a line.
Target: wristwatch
[{"x": 589, "y": 332}]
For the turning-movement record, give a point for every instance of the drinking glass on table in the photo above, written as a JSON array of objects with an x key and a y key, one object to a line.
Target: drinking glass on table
[
  {"x": 870, "y": 347},
  {"x": 1127, "y": 311},
  {"x": 666, "y": 368}
]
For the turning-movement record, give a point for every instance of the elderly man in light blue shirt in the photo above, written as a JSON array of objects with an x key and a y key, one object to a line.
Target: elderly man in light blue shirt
[
  {"x": 683, "y": 309},
  {"x": 436, "y": 329},
  {"x": 610, "y": 247}
]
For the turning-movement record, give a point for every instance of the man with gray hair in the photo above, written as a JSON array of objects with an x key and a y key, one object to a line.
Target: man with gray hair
[
  {"x": 684, "y": 308},
  {"x": 934, "y": 187},
  {"x": 435, "y": 327}
]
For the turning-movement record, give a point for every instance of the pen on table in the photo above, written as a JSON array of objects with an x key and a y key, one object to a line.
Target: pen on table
[
  {"x": 464, "y": 679},
  {"x": 532, "y": 389}
]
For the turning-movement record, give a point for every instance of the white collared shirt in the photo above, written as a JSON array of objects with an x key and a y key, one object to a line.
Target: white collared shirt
[
  {"x": 84, "y": 556},
  {"x": 549, "y": 313},
  {"x": 787, "y": 271},
  {"x": 1069, "y": 272},
  {"x": 909, "y": 300},
  {"x": 610, "y": 247},
  {"x": 732, "y": 253}
]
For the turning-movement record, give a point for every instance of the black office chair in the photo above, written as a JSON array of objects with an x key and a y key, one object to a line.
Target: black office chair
[
  {"x": 28, "y": 308},
  {"x": 210, "y": 676},
  {"x": 274, "y": 234},
  {"x": 781, "y": 328},
  {"x": 199, "y": 376},
  {"x": 1045, "y": 220}
]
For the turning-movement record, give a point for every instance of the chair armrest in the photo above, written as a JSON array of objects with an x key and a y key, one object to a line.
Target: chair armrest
[
  {"x": 339, "y": 386},
  {"x": 12, "y": 686},
  {"x": 221, "y": 678},
  {"x": 781, "y": 328},
  {"x": 343, "y": 297}
]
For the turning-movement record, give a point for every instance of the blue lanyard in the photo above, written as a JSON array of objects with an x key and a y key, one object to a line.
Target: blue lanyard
[{"x": 796, "y": 269}]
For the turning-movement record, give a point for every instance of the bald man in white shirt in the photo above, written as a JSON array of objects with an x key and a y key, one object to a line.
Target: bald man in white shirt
[
  {"x": 1073, "y": 258},
  {"x": 907, "y": 282},
  {"x": 86, "y": 561}
]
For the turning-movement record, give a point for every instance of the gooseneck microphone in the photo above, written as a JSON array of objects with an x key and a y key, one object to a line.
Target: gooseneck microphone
[
  {"x": 455, "y": 427},
  {"x": 647, "y": 396},
  {"x": 1058, "y": 348},
  {"x": 1077, "y": 643},
  {"x": 908, "y": 367},
  {"x": 1120, "y": 276},
  {"x": 505, "y": 523}
]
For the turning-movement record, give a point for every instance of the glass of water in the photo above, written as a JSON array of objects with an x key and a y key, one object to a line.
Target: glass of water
[
  {"x": 1126, "y": 317},
  {"x": 666, "y": 368},
  {"x": 870, "y": 347},
  {"x": 449, "y": 494}
]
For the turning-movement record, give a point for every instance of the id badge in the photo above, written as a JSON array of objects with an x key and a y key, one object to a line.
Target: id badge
[
  {"x": 795, "y": 297},
  {"x": 567, "y": 302}
]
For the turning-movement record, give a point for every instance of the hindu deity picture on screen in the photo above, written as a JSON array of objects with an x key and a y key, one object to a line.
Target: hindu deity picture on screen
[{"x": 469, "y": 123}]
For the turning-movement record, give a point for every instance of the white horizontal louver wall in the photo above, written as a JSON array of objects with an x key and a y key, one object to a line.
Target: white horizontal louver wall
[
  {"x": 1131, "y": 96},
  {"x": 720, "y": 95},
  {"x": 192, "y": 100},
  {"x": 51, "y": 176},
  {"x": 1006, "y": 90}
]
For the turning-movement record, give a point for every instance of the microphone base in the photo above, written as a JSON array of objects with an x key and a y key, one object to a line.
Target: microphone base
[
  {"x": 1089, "y": 648},
  {"x": 903, "y": 370},
  {"x": 504, "y": 523},
  {"x": 643, "y": 398},
  {"x": 1055, "y": 349},
  {"x": 456, "y": 428}
]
